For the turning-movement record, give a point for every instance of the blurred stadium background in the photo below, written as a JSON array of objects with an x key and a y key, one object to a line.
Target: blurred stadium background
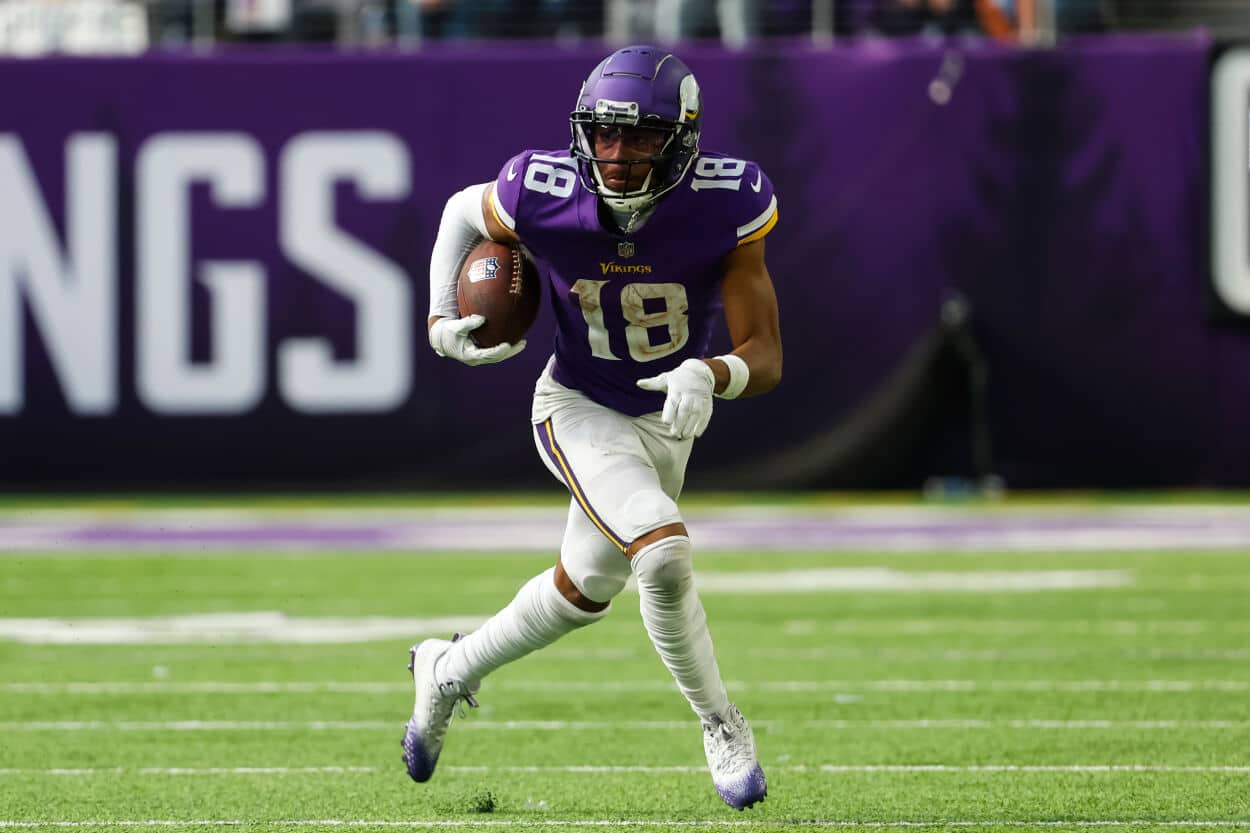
[
  {"x": 1013, "y": 248},
  {"x": 1013, "y": 265}
]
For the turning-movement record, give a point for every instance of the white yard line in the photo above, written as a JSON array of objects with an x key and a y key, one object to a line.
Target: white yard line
[
  {"x": 632, "y": 686},
  {"x": 642, "y": 770},
  {"x": 1143, "y": 725},
  {"x": 245, "y": 627},
  {"x": 610, "y": 823},
  {"x": 965, "y": 655},
  {"x": 882, "y": 579},
  {"x": 269, "y": 626},
  {"x": 760, "y": 657},
  {"x": 1001, "y": 627},
  {"x": 599, "y": 725}
]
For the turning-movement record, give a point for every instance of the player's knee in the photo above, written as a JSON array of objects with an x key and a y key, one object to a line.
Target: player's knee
[
  {"x": 650, "y": 508},
  {"x": 665, "y": 565},
  {"x": 594, "y": 572},
  {"x": 594, "y": 586},
  {"x": 601, "y": 588}
]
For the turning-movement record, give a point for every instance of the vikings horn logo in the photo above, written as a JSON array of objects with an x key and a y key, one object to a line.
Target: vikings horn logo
[{"x": 625, "y": 248}]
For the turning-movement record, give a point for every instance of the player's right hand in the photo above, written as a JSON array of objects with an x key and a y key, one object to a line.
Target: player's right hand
[
  {"x": 452, "y": 338},
  {"x": 688, "y": 397}
]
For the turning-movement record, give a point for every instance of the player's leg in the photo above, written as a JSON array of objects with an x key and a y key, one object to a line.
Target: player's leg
[
  {"x": 626, "y": 473},
  {"x": 548, "y": 606},
  {"x": 661, "y": 559},
  {"x": 591, "y": 570},
  {"x": 673, "y": 614},
  {"x": 574, "y": 593},
  {"x": 625, "y": 482}
]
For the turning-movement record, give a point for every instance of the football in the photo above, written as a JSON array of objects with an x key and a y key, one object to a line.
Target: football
[{"x": 501, "y": 284}]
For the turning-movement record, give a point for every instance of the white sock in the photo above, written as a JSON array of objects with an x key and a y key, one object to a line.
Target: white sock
[
  {"x": 537, "y": 616},
  {"x": 677, "y": 625}
]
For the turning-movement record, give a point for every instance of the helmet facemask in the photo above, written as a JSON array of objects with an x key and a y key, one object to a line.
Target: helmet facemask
[{"x": 667, "y": 162}]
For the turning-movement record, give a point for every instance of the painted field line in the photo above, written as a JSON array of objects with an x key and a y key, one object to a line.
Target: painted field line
[
  {"x": 892, "y": 768},
  {"x": 525, "y": 529},
  {"x": 696, "y": 823},
  {"x": 1104, "y": 627},
  {"x": 590, "y": 769},
  {"x": 208, "y": 770},
  {"x": 597, "y": 725},
  {"x": 884, "y": 579},
  {"x": 630, "y": 686},
  {"x": 248, "y": 627},
  {"x": 518, "y": 529},
  {"x": 962, "y": 655},
  {"x": 1138, "y": 725},
  {"x": 269, "y": 626}
]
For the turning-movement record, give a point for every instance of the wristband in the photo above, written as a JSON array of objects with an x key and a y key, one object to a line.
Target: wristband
[{"x": 739, "y": 375}]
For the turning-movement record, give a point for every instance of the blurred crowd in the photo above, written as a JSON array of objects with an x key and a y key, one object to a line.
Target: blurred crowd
[
  {"x": 32, "y": 27},
  {"x": 732, "y": 21}
]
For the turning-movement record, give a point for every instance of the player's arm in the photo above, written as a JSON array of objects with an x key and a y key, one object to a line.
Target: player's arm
[
  {"x": 462, "y": 227},
  {"x": 754, "y": 366},
  {"x": 495, "y": 228},
  {"x": 754, "y": 328},
  {"x": 469, "y": 218}
]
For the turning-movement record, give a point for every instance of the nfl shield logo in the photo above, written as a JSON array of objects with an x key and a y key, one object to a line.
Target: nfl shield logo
[
  {"x": 625, "y": 248},
  {"x": 483, "y": 270}
]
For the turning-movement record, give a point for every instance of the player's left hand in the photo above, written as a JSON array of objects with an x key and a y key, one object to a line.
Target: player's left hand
[
  {"x": 688, "y": 406},
  {"x": 452, "y": 338}
]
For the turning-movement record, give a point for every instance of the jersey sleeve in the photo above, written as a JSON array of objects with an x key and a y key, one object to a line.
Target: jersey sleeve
[
  {"x": 505, "y": 201},
  {"x": 756, "y": 213}
]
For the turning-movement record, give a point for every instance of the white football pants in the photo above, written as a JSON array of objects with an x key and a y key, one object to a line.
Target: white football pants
[{"x": 624, "y": 474}]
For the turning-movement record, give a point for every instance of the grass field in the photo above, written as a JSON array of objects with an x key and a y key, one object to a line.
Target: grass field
[{"x": 903, "y": 666}]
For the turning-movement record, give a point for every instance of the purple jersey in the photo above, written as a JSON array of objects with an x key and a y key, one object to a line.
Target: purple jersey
[{"x": 631, "y": 306}]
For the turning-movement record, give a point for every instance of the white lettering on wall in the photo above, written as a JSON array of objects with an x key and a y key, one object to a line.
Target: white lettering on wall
[
  {"x": 1230, "y": 179},
  {"x": 71, "y": 288},
  {"x": 380, "y": 375},
  {"x": 232, "y": 381},
  {"x": 71, "y": 294}
]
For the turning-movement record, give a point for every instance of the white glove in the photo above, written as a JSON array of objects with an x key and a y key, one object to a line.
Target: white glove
[
  {"x": 452, "y": 338},
  {"x": 688, "y": 406}
]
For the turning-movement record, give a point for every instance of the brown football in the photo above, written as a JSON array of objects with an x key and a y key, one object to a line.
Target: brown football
[{"x": 499, "y": 283}]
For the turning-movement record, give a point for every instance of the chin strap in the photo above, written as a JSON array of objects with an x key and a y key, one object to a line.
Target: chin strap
[{"x": 635, "y": 203}]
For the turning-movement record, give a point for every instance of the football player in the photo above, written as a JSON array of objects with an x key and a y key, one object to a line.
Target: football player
[{"x": 643, "y": 239}]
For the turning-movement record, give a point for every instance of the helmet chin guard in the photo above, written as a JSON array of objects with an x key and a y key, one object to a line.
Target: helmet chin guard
[
  {"x": 638, "y": 86},
  {"x": 621, "y": 200}
]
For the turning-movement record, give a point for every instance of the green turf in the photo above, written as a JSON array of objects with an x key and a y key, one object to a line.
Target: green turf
[{"x": 836, "y": 679}]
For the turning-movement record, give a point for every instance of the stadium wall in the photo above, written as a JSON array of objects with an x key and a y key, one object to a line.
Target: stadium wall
[{"x": 212, "y": 268}]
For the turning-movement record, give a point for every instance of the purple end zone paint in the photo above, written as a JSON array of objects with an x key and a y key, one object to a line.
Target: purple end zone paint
[{"x": 1175, "y": 528}]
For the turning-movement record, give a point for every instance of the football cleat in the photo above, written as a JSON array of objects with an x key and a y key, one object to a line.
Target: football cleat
[
  {"x": 433, "y": 709},
  {"x": 730, "y": 749}
]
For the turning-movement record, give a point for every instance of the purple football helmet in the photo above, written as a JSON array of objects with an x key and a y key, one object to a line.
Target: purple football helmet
[{"x": 639, "y": 86}]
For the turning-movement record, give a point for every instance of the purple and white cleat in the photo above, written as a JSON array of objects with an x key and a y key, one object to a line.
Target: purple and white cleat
[
  {"x": 433, "y": 709},
  {"x": 730, "y": 749}
]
